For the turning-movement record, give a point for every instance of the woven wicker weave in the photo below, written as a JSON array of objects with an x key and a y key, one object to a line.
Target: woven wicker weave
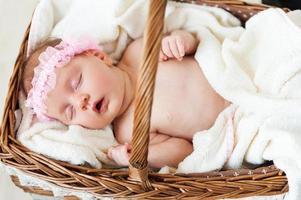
[{"x": 137, "y": 182}]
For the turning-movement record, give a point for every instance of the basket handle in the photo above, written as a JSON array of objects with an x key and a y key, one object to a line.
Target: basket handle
[{"x": 144, "y": 92}]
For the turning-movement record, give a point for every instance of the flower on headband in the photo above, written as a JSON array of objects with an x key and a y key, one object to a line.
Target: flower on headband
[{"x": 44, "y": 74}]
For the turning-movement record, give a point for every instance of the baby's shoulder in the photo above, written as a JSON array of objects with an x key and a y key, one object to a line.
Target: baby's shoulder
[
  {"x": 133, "y": 53},
  {"x": 135, "y": 45}
]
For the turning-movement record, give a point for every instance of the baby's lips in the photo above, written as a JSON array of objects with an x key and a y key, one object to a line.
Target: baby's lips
[{"x": 101, "y": 105}]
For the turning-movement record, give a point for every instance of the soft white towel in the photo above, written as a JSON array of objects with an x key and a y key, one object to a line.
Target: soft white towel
[
  {"x": 115, "y": 23},
  {"x": 213, "y": 147},
  {"x": 261, "y": 74}
]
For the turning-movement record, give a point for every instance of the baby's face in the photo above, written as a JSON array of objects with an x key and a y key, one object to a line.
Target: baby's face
[{"x": 88, "y": 92}]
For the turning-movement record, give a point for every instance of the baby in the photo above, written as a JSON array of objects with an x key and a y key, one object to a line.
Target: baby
[{"x": 76, "y": 83}]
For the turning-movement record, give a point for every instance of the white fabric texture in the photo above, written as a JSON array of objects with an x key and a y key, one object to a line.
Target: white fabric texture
[
  {"x": 260, "y": 74},
  {"x": 256, "y": 69}
]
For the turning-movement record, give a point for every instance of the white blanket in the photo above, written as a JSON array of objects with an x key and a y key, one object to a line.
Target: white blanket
[
  {"x": 256, "y": 69},
  {"x": 261, "y": 74}
]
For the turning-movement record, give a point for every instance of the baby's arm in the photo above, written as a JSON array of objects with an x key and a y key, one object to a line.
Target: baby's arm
[
  {"x": 169, "y": 151},
  {"x": 163, "y": 150},
  {"x": 178, "y": 44}
]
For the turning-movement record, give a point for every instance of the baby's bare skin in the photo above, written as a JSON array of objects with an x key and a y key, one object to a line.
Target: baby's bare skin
[
  {"x": 93, "y": 93},
  {"x": 184, "y": 103}
]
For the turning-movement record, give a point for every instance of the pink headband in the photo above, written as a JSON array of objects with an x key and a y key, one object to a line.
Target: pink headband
[{"x": 44, "y": 75}]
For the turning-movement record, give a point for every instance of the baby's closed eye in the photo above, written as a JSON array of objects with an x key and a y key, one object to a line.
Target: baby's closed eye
[
  {"x": 75, "y": 84},
  {"x": 69, "y": 112}
]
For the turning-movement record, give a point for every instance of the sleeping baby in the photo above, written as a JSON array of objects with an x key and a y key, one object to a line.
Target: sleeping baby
[{"x": 75, "y": 82}]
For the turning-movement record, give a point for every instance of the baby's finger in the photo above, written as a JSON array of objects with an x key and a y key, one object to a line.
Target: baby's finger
[
  {"x": 123, "y": 155},
  {"x": 162, "y": 56},
  {"x": 128, "y": 146},
  {"x": 181, "y": 47},
  {"x": 110, "y": 153},
  {"x": 165, "y": 48},
  {"x": 174, "y": 48},
  {"x": 117, "y": 155}
]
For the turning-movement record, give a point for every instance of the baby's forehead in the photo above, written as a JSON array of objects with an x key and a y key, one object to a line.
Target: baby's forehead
[
  {"x": 64, "y": 75},
  {"x": 65, "y": 71},
  {"x": 72, "y": 63},
  {"x": 76, "y": 60},
  {"x": 71, "y": 67}
]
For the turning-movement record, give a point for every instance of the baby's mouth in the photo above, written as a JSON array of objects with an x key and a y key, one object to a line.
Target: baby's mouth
[{"x": 99, "y": 106}]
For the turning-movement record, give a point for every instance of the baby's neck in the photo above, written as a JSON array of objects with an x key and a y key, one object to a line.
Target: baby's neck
[{"x": 129, "y": 76}]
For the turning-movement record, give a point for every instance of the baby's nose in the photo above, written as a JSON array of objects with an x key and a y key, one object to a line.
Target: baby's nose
[{"x": 84, "y": 101}]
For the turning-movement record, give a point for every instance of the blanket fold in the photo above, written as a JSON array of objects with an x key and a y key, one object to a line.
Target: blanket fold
[{"x": 260, "y": 74}]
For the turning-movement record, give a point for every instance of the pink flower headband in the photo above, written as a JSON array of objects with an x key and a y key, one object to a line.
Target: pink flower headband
[{"x": 44, "y": 75}]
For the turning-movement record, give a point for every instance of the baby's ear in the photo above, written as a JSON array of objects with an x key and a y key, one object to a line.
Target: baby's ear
[{"x": 101, "y": 55}]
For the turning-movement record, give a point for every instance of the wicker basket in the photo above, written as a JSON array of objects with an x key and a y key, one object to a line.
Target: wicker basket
[{"x": 138, "y": 182}]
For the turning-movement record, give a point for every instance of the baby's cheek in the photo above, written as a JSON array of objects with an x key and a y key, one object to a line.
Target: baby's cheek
[{"x": 101, "y": 83}]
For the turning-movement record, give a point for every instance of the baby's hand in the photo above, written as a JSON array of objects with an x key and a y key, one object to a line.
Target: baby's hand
[
  {"x": 172, "y": 46},
  {"x": 178, "y": 44},
  {"x": 120, "y": 154}
]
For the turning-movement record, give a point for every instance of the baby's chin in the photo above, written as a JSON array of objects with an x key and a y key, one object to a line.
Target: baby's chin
[
  {"x": 95, "y": 125},
  {"x": 87, "y": 126}
]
